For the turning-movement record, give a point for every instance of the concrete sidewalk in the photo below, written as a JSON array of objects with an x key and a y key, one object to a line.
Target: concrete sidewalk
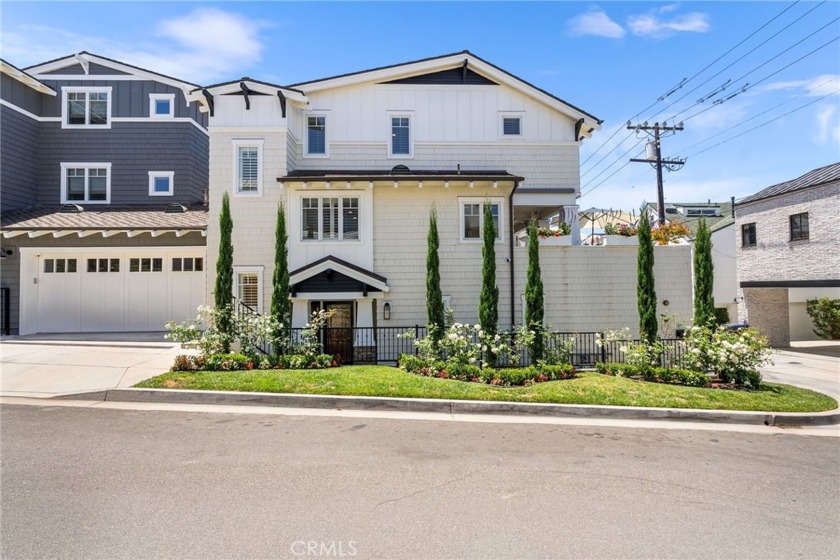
[{"x": 50, "y": 365}]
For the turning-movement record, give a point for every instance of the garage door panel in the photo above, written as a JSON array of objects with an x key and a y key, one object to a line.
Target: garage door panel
[{"x": 118, "y": 290}]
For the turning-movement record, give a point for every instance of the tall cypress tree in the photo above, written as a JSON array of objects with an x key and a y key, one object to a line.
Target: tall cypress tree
[
  {"x": 534, "y": 301},
  {"x": 281, "y": 305},
  {"x": 488, "y": 305},
  {"x": 223, "y": 292},
  {"x": 645, "y": 287},
  {"x": 704, "y": 276},
  {"x": 434, "y": 296}
]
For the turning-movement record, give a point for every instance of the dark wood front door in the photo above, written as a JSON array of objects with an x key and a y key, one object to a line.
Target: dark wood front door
[{"x": 338, "y": 336}]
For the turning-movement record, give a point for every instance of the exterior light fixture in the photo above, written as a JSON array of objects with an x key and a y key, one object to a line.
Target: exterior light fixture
[{"x": 386, "y": 311}]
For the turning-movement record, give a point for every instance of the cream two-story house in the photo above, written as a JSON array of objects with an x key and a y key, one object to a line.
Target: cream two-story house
[{"x": 360, "y": 160}]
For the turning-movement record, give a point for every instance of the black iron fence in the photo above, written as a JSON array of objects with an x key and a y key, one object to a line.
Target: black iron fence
[{"x": 6, "y": 311}]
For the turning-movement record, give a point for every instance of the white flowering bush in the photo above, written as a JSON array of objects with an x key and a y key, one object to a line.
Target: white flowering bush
[
  {"x": 734, "y": 356},
  {"x": 643, "y": 355},
  {"x": 199, "y": 332},
  {"x": 310, "y": 342},
  {"x": 464, "y": 344}
]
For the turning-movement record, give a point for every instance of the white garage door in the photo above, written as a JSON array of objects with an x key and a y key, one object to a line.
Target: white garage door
[{"x": 117, "y": 290}]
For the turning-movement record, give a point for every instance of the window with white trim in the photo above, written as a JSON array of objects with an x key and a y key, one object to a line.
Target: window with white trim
[
  {"x": 161, "y": 183},
  {"x": 151, "y": 264},
  {"x": 86, "y": 107},
  {"x": 103, "y": 265},
  {"x": 329, "y": 218},
  {"x": 316, "y": 135},
  {"x": 247, "y": 164},
  {"x": 400, "y": 144},
  {"x": 512, "y": 126},
  {"x": 472, "y": 218},
  {"x": 247, "y": 286},
  {"x": 86, "y": 182},
  {"x": 161, "y": 105}
]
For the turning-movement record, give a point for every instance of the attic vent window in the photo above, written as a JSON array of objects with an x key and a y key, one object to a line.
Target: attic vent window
[
  {"x": 71, "y": 209},
  {"x": 175, "y": 209},
  {"x": 400, "y": 170}
]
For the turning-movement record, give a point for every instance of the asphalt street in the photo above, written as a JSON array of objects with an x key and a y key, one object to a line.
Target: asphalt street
[{"x": 99, "y": 483}]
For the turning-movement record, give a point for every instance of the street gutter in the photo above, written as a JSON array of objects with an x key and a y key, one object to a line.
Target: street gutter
[{"x": 450, "y": 406}]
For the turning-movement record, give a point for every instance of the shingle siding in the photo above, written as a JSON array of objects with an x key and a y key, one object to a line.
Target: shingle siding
[
  {"x": 18, "y": 160},
  {"x": 133, "y": 149}
]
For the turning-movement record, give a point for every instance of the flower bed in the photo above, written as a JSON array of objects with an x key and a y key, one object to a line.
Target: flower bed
[
  {"x": 240, "y": 362},
  {"x": 507, "y": 377},
  {"x": 655, "y": 374}
]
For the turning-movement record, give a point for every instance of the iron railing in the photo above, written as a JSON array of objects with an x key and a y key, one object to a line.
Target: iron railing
[{"x": 5, "y": 301}]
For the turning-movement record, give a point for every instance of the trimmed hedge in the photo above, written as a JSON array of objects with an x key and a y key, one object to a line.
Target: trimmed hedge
[
  {"x": 502, "y": 376},
  {"x": 238, "y": 362},
  {"x": 656, "y": 375}
]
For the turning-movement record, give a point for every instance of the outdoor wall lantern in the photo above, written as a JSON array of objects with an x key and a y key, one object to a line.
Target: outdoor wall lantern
[
  {"x": 386, "y": 311},
  {"x": 666, "y": 303}
]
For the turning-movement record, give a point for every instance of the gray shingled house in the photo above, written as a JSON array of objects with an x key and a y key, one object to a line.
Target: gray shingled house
[{"x": 103, "y": 175}]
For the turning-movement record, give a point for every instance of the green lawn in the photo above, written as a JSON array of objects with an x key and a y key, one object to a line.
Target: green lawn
[{"x": 589, "y": 388}]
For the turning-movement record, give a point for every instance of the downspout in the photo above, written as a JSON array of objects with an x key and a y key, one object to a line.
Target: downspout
[{"x": 510, "y": 259}]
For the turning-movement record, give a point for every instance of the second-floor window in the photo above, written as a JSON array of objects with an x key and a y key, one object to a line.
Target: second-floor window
[
  {"x": 161, "y": 183},
  {"x": 161, "y": 105},
  {"x": 748, "y": 236},
  {"x": 400, "y": 136},
  {"x": 316, "y": 135},
  {"x": 247, "y": 167},
  {"x": 86, "y": 107},
  {"x": 799, "y": 227},
  {"x": 330, "y": 218},
  {"x": 86, "y": 183}
]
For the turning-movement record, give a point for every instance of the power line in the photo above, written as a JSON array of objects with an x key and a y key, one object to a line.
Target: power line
[
  {"x": 613, "y": 163},
  {"x": 594, "y": 165},
  {"x": 683, "y": 82},
  {"x": 742, "y": 57},
  {"x": 762, "y": 124},
  {"x": 608, "y": 177},
  {"x": 765, "y": 78},
  {"x": 745, "y": 121}
]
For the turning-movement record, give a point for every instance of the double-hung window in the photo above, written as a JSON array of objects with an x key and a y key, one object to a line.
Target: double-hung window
[
  {"x": 248, "y": 287},
  {"x": 401, "y": 140},
  {"x": 86, "y": 107},
  {"x": 86, "y": 182},
  {"x": 799, "y": 227},
  {"x": 472, "y": 218},
  {"x": 316, "y": 135},
  {"x": 247, "y": 164},
  {"x": 330, "y": 218}
]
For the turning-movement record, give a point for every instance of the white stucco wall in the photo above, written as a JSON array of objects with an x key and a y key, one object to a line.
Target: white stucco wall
[{"x": 724, "y": 258}]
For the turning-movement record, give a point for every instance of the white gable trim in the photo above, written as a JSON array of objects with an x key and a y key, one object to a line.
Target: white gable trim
[
  {"x": 233, "y": 87},
  {"x": 25, "y": 78},
  {"x": 453, "y": 61},
  {"x": 354, "y": 274}
]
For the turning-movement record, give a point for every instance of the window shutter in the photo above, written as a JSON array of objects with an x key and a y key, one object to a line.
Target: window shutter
[{"x": 248, "y": 168}]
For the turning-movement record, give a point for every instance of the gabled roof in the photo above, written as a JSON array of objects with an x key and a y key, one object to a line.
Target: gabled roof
[
  {"x": 83, "y": 57},
  {"x": 350, "y": 270},
  {"x": 425, "y": 65},
  {"x": 813, "y": 178},
  {"x": 25, "y": 78},
  {"x": 234, "y": 86}
]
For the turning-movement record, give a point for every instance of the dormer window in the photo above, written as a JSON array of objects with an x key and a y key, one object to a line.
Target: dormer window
[
  {"x": 86, "y": 107},
  {"x": 162, "y": 105}
]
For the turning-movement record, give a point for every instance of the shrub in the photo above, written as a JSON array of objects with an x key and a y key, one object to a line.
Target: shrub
[
  {"x": 228, "y": 362},
  {"x": 463, "y": 372},
  {"x": 721, "y": 315},
  {"x": 515, "y": 376},
  {"x": 411, "y": 364},
  {"x": 186, "y": 362},
  {"x": 825, "y": 313},
  {"x": 557, "y": 371}
]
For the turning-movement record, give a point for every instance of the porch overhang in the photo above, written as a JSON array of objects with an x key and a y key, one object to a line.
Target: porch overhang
[{"x": 331, "y": 275}]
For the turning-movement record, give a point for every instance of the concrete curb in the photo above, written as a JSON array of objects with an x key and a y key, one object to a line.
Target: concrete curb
[{"x": 177, "y": 396}]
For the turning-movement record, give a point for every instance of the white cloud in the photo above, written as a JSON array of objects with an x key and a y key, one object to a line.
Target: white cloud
[
  {"x": 595, "y": 22},
  {"x": 205, "y": 45},
  {"x": 649, "y": 25},
  {"x": 828, "y": 127},
  {"x": 818, "y": 86},
  {"x": 667, "y": 8}
]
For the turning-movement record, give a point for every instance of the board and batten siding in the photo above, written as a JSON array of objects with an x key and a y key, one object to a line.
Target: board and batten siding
[
  {"x": 23, "y": 96},
  {"x": 18, "y": 159},
  {"x": 133, "y": 149},
  {"x": 93, "y": 69},
  {"x": 130, "y": 98},
  {"x": 450, "y": 125}
]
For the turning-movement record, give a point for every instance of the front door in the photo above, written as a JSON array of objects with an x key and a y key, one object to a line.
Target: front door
[{"x": 338, "y": 335}]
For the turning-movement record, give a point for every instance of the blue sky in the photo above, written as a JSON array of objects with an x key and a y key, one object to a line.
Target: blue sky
[{"x": 613, "y": 59}]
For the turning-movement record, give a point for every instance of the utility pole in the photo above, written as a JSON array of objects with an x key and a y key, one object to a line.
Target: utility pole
[{"x": 654, "y": 157}]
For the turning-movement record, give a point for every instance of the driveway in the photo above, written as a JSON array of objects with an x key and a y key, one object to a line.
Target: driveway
[
  {"x": 50, "y": 365},
  {"x": 813, "y": 365}
]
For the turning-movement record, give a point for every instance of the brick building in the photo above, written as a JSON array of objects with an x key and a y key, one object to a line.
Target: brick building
[{"x": 788, "y": 242}]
